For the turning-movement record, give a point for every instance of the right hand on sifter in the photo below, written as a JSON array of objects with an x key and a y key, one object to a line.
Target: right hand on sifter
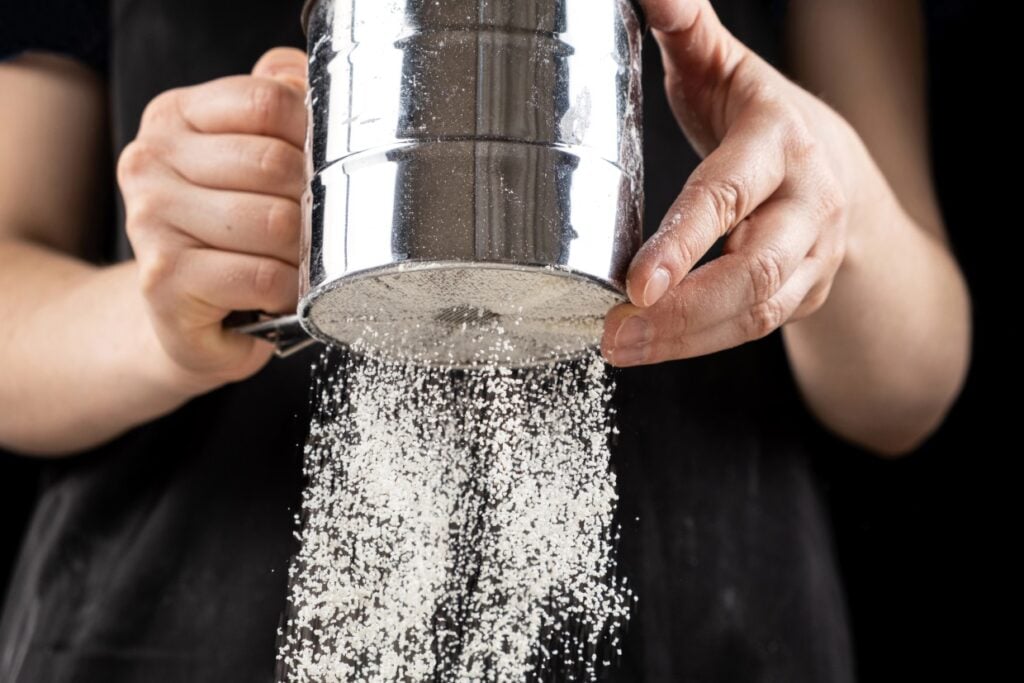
[{"x": 211, "y": 189}]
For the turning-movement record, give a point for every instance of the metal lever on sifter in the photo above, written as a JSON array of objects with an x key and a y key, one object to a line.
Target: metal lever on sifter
[{"x": 284, "y": 332}]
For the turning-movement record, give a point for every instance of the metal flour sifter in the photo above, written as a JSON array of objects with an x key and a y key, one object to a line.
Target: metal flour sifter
[{"x": 475, "y": 177}]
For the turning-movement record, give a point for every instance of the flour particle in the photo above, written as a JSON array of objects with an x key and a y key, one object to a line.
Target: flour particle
[{"x": 457, "y": 525}]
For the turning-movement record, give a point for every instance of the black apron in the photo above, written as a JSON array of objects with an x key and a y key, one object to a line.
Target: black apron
[{"x": 163, "y": 555}]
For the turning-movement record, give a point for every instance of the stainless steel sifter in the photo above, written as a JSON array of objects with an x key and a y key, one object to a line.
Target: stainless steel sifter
[{"x": 475, "y": 177}]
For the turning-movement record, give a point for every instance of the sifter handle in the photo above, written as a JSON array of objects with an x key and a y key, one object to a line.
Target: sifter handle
[{"x": 284, "y": 332}]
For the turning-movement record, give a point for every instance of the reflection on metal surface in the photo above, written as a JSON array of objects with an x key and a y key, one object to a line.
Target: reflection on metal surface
[{"x": 471, "y": 132}]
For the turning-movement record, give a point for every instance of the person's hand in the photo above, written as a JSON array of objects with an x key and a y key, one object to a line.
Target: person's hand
[
  {"x": 779, "y": 179},
  {"x": 211, "y": 189}
]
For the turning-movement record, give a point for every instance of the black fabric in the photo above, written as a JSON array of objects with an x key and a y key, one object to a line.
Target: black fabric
[
  {"x": 162, "y": 556},
  {"x": 77, "y": 28}
]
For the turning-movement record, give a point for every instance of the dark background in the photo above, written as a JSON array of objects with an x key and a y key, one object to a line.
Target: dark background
[
  {"x": 917, "y": 538},
  {"x": 914, "y": 534}
]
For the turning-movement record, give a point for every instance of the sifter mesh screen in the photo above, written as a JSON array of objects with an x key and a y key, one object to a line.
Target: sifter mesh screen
[{"x": 459, "y": 314}]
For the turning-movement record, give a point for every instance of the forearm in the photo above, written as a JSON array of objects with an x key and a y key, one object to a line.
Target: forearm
[
  {"x": 882, "y": 361},
  {"x": 80, "y": 362}
]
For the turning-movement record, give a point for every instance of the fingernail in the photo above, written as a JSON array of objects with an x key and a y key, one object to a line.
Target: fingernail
[
  {"x": 633, "y": 332},
  {"x": 656, "y": 287}
]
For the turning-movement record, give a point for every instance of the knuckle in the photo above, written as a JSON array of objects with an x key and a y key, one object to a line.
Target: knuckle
[
  {"x": 267, "y": 278},
  {"x": 282, "y": 222},
  {"x": 775, "y": 105},
  {"x": 266, "y": 101},
  {"x": 728, "y": 197},
  {"x": 136, "y": 160},
  {"x": 801, "y": 144},
  {"x": 683, "y": 252},
  {"x": 833, "y": 203},
  {"x": 143, "y": 211},
  {"x": 764, "y": 268},
  {"x": 275, "y": 158},
  {"x": 155, "y": 270},
  {"x": 763, "y": 319},
  {"x": 159, "y": 108},
  {"x": 679, "y": 319}
]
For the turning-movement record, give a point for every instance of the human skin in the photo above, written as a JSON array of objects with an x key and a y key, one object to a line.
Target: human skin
[
  {"x": 874, "y": 310},
  {"x": 211, "y": 187},
  {"x": 851, "y": 263}
]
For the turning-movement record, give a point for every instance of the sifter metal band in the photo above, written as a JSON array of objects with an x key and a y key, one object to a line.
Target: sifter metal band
[{"x": 475, "y": 169}]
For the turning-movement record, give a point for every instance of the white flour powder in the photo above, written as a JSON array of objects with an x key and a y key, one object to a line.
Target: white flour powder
[{"x": 457, "y": 526}]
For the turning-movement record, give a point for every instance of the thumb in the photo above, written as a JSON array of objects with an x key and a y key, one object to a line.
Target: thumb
[
  {"x": 691, "y": 33},
  {"x": 701, "y": 58},
  {"x": 286, "y": 64}
]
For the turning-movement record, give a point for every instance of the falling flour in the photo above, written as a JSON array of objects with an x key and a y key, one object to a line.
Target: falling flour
[{"x": 457, "y": 526}]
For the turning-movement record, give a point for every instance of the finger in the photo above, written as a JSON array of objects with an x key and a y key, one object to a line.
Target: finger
[
  {"x": 221, "y": 282},
  {"x": 831, "y": 258},
  {"x": 691, "y": 34},
  {"x": 701, "y": 60},
  {"x": 661, "y": 339},
  {"x": 761, "y": 255},
  {"x": 246, "y": 105},
  {"x": 286, "y": 63},
  {"x": 745, "y": 170},
  {"x": 253, "y": 224},
  {"x": 245, "y": 163}
]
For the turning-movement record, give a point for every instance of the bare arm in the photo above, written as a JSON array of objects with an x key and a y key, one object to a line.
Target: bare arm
[
  {"x": 845, "y": 255},
  {"x": 888, "y": 352},
  {"x": 78, "y": 365},
  {"x": 88, "y": 352}
]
